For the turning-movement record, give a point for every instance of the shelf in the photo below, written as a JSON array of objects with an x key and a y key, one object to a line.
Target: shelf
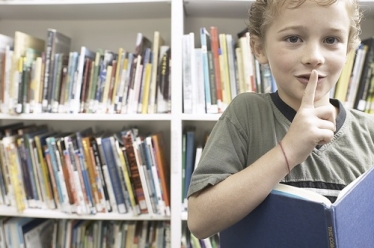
[
  {"x": 200, "y": 117},
  {"x": 52, "y": 214},
  {"x": 84, "y": 10},
  {"x": 238, "y": 8},
  {"x": 88, "y": 117}
]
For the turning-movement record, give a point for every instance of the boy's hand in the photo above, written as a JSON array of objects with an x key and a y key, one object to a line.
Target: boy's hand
[{"x": 311, "y": 126}]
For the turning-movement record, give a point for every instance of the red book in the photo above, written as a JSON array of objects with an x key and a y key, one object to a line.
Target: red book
[{"x": 215, "y": 50}]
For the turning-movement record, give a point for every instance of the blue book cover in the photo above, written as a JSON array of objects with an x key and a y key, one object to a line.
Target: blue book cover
[
  {"x": 289, "y": 220},
  {"x": 190, "y": 158},
  {"x": 114, "y": 173}
]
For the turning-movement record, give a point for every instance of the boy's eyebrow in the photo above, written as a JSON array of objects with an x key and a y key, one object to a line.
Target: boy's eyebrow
[{"x": 302, "y": 27}]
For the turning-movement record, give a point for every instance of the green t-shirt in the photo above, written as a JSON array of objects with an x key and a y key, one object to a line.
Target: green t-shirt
[{"x": 252, "y": 125}]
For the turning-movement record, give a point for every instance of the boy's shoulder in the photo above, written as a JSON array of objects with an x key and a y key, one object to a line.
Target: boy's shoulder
[
  {"x": 252, "y": 97},
  {"x": 361, "y": 118},
  {"x": 249, "y": 104}
]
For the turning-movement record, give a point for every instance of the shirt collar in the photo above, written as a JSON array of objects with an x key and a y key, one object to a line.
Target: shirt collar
[{"x": 290, "y": 113}]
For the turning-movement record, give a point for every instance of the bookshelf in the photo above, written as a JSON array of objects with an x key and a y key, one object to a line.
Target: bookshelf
[{"x": 112, "y": 24}]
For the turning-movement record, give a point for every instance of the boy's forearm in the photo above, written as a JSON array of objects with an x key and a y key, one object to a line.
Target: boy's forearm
[{"x": 222, "y": 205}]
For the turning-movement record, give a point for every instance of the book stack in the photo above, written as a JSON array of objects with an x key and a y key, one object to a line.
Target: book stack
[
  {"x": 218, "y": 70},
  {"x": 83, "y": 172},
  {"x": 45, "y": 76}
]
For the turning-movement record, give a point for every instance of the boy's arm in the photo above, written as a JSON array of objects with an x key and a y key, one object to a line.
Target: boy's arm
[{"x": 218, "y": 207}]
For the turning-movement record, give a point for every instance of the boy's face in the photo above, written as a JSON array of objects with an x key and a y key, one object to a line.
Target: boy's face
[{"x": 302, "y": 39}]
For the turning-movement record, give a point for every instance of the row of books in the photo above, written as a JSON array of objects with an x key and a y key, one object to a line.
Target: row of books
[
  {"x": 218, "y": 70},
  {"x": 84, "y": 172},
  {"x": 43, "y": 75},
  {"x": 31, "y": 232},
  {"x": 355, "y": 87}
]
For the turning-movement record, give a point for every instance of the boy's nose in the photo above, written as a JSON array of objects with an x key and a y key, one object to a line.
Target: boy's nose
[{"x": 313, "y": 55}]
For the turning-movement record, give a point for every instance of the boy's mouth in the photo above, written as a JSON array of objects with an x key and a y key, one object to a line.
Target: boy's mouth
[{"x": 306, "y": 77}]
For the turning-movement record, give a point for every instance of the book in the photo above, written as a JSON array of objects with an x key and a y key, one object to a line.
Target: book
[
  {"x": 75, "y": 101},
  {"x": 128, "y": 138},
  {"x": 357, "y": 69},
  {"x": 341, "y": 88},
  {"x": 6, "y": 43},
  {"x": 38, "y": 233},
  {"x": 295, "y": 217},
  {"x": 125, "y": 169},
  {"x": 205, "y": 47},
  {"x": 365, "y": 79},
  {"x": 163, "y": 170},
  {"x": 56, "y": 43},
  {"x": 190, "y": 158},
  {"x": 114, "y": 174},
  {"x": 22, "y": 42},
  {"x": 158, "y": 41},
  {"x": 189, "y": 72},
  {"x": 163, "y": 84},
  {"x": 215, "y": 51}
]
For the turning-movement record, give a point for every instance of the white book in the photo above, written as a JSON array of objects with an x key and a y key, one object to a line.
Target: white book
[
  {"x": 188, "y": 60},
  {"x": 198, "y": 85},
  {"x": 77, "y": 84},
  {"x": 140, "y": 163},
  {"x": 155, "y": 177}
]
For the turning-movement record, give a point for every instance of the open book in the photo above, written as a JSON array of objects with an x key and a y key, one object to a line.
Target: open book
[{"x": 294, "y": 217}]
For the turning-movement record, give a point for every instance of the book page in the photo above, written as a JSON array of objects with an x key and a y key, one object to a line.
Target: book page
[{"x": 302, "y": 193}]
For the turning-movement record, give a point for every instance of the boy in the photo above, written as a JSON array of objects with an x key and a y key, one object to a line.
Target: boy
[{"x": 297, "y": 135}]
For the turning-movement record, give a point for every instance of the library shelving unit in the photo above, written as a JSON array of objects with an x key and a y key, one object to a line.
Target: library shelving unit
[{"x": 110, "y": 24}]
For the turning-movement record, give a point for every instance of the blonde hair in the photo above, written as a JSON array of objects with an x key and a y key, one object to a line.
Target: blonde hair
[{"x": 263, "y": 12}]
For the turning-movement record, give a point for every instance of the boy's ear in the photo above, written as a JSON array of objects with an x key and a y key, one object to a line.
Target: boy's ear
[{"x": 258, "y": 49}]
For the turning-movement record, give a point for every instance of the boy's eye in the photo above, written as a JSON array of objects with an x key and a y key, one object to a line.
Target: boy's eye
[
  {"x": 331, "y": 40},
  {"x": 293, "y": 39}
]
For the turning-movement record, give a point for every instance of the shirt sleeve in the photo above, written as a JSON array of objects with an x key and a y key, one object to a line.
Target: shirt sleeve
[{"x": 224, "y": 154}]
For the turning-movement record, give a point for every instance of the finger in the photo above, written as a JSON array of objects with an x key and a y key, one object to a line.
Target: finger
[
  {"x": 325, "y": 125},
  {"x": 326, "y": 113},
  {"x": 310, "y": 90},
  {"x": 325, "y": 137}
]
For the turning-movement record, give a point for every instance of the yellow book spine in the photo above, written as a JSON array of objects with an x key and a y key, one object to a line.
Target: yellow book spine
[
  {"x": 126, "y": 175},
  {"x": 118, "y": 73},
  {"x": 16, "y": 178},
  {"x": 146, "y": 90},
  {"x": 223, "y": 46}
]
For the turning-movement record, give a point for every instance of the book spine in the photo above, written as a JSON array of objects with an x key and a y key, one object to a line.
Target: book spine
[
  {"x": 98, "y": 181},
  {"x": 92, "y": 176},
  {"x": 57, "y": 170},
  {"x": 47, "y": 69},
  {"x": 106, "y": 175},
  {"x": 99, "y": 165},
  {"x": 45, "y": 174},
  {"x": 55, "y": 190},
  {"x": 155, "y": 175},
  {"x": 129, "y": 185},
  {"x": 26, "y": 171},
  {"x": 331, "y": 227},
  {"x": 163, "y": 81},
  {"x": 113, "y": 172},
  {"x": 86, "y": 201},
  {"x": 215, "y": 50},
  {"x": 163, "y": 168},
  {"x": 70, "y": 158},
  {"x": 115, "y": 146},
  {"x": 134, "y": 171}
]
